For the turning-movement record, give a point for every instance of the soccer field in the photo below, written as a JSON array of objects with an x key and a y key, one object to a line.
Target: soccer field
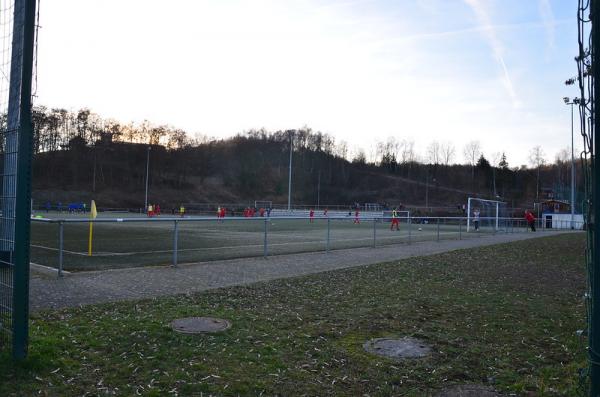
[{"x": 151, "y": 241}]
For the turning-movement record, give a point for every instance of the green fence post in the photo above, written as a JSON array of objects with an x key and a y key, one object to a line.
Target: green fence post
[
  {"x": 23, "y": 189},
  {"x": 60, "y": 248},
  {"x": 265, "y": 246},
  {"x": 374, "y": 233},
  {"x": 175, "y": 241},
  {"x": 328, "y": 234}
]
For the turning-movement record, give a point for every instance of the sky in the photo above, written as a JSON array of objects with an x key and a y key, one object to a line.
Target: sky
[{"x": 362, "y": 71}]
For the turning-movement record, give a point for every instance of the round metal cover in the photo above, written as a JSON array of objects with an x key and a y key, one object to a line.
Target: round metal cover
[
  {"x": 198, "y": 325},
  {"x": 398, "y": 349},
  {"x": 468, "y": 391}
]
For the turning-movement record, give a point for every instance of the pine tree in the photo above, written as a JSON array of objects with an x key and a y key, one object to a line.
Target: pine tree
[{"x": 503, "y": 164}]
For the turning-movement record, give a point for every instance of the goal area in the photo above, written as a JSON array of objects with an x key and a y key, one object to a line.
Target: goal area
[{"x": 486, "y": 215}]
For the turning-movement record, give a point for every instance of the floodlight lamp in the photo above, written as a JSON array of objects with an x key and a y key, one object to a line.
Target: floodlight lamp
[
  {"x": 566, "y": 99},
  {"x": 576, "y": 101}
]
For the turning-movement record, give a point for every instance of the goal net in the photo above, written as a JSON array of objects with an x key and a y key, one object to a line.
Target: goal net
[
  {"x": 263, "y": 204},
  {"x": 486, "y": 215},
  {"x": 372, "y": 207}
]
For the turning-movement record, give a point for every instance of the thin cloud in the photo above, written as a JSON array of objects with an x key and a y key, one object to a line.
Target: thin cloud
[
  {"x": 497, "y": 49},
  {"x": 548, "y": 21},
  {"x": 480, "y": 29}
]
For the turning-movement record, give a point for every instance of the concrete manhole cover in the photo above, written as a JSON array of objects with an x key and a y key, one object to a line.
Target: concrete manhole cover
[
  {"x": 468, "y": 391},
  {"x": 398, "y": 348},
  {"x": 198, "y": 325}
]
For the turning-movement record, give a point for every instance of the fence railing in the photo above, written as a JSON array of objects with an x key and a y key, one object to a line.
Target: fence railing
[{"x": 141, "y": 241}]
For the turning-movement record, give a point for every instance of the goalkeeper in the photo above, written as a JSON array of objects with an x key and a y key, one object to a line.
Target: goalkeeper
[{"x": 476, "y": 219}]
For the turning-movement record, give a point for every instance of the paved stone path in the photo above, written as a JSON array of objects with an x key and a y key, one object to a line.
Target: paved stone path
[{"x": 136, "y": 283}]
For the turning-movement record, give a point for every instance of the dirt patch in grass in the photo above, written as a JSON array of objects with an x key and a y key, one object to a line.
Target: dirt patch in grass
[{"x": 503, "y": 316}]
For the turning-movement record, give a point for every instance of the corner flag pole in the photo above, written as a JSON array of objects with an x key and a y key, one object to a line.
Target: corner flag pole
[{"x": 93, "y": 214}]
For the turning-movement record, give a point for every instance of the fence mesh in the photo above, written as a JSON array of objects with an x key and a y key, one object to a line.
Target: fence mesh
[
  {"x": 16, "y": 60},
  {"x": 8, "y": 167}
]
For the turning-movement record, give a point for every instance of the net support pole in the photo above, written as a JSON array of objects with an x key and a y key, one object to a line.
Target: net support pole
[
  {"x": 594, "y": 337},
  {"x": 23, "y": 191}
]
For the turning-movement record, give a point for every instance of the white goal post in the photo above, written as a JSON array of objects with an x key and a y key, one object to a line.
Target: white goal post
[
  {"x": 402, "y": 214},
  {"x": 486, "y": 212}
]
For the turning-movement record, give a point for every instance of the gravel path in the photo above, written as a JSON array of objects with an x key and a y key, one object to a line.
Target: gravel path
[{"x": 136, "y": 283}]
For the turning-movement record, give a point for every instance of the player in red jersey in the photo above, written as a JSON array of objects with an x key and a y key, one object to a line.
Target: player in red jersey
[
  {"x": 395, "y": 221},
  {"x": 311, "y": 215},
  {"x": 357, "y": 216}
]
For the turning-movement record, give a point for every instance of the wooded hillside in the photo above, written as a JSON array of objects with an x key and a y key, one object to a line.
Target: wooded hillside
[{"x": 79, "y": 156}]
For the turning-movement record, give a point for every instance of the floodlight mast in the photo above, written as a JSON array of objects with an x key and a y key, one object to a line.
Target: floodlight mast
[
  {"x": 290, "y": 171},
  {"x": 147, "y": 170},
  {"x": 573, "y": 102}
]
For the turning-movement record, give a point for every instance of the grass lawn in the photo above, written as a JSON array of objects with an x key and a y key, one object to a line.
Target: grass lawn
[{"x": 503, "y": 315}]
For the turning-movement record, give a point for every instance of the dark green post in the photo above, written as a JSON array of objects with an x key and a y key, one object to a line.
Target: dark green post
[
  {"x": 594, "y": 340},
  {"x": 23, "y": 189}
]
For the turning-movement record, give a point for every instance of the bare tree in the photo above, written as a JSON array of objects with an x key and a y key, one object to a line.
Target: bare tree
[
  {"x": 359, "y": 157},
  {"x": 407, "y": 151},
  {"x": 472, "y": 152},
  {"x": 448, "y": 151},
  {"x": 562, "y": 161},
  {"x": 341, "y": 149},
  {"x": 496, "y": 158},
  {"x": 537, "y": 160},
  {"x": 434, "y": 153},
  {"x": 387, "y": 151}
]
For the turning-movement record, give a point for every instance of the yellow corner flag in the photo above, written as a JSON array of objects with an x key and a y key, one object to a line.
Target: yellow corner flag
[{"x": 93, "y": 215}]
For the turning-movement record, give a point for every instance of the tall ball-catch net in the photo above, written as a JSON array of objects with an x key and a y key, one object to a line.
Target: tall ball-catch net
[
  {"x": 17, "y": 27},
  {"x": 486, "y": 215}
]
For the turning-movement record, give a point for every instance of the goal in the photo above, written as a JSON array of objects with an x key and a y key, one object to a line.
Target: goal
[{"x": 486, "y": 215}]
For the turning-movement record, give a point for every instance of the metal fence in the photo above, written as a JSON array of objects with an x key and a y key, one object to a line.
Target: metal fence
[
  {"x": 143, "y": 241},
  {"x": 17, "y": 22}
]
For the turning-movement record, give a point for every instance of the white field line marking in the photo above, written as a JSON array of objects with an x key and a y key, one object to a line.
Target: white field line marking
[{"x": 108, "y": 254}]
